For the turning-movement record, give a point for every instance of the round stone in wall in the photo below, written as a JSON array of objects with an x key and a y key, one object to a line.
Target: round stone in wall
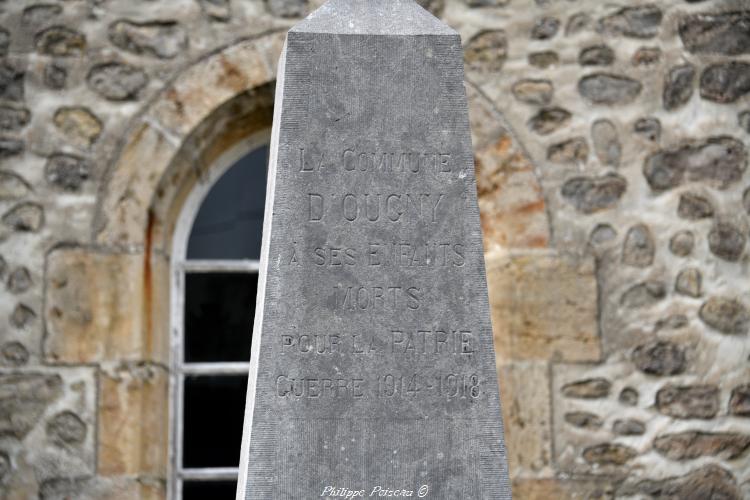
[
  {"x": 40, "y": 14},
  {"x": 66, "y": 428},
  {"x": 646, "y": 56},
  {"x": 659, "y": 357},
  {"x": 644, "y": 294},
  {"x": 725, "y": 83},
  {"x": 12, "y": 186},
  {"x": 537, "y": 92},
  {"x": 593, "y": 388},
  {"x": 689, "y": 282},
  {"x": 638, "y": 248},
  {"x": 592, "y": 194},
  {"x": 635, "y": 22},
  {"x": 689, "y": 401},
  {"x": 648, "y": 128},
  {"x": 14, "y": 117},
  {"x": 577, "y": 23},
  {"x": 717, "y": 161},
  {"x": 19, "y": 280},
  {"x": 22, "y": 315},
  {"x": 583, "y": 420},
  {"x": 609, "y": 454},
  {"x": 25, "y": 217},
  {"x": 78, "y": 124},
  {"x": 161, "y": 39},
  {"x": 575, "y": 150},
  {"x": 67, "y": 172},
  {"x": 629, "y": 427},
  {"x": 678, "y": 86},
  {"x": 596, "y": 55},
  {"x": 723, "y": 33},
  {"x": 298, "y": 8},
  {"x": 545, "y": 28},
  {"x": 606, "y": 142},
  {"x": 486, "y": 51},
  {"x": 725, "y": 314},
  {"x": 548, "y": 120},
  {"x": 60, "y": 41},
  {"x": 55, "y": 76},
  {"x": 628, "y": 397},
  {"x": 601, "y": 234},
  {"x": 693, "y": 206},
  {"x": 609, "y": 89},
  {"x": 117, "y": 81},
  {"x": 727, "y": 241},
  {"x": 14, "y": 353},
  {"x": 217, "y": 10},
  {"x": 544, "y": 59}
]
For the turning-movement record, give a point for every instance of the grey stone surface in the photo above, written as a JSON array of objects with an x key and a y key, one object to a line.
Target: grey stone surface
[{"x": 373, "y": 363}]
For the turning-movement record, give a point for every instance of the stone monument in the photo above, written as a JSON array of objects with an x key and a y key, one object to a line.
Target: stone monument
[{"x": 373, "y": 368}]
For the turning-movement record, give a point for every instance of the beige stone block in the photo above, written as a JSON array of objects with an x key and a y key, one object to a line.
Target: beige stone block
[
  {"x": 122, "y": 218},
  {"x": 524, "y": 389},
  {"x": 209, "y": 84},
  {"x": 558, "y": 489},
  {"x": 511, "y": 201},
  {"x": 103, "y": 307},
  {"x": 543, "y": 307},
  {"x": 133, "y": 421}
]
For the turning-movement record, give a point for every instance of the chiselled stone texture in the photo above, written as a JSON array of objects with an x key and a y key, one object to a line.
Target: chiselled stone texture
[
  {"x": 125, "y": 445},
  {"x": 512, "y": 206},
  {"x": 90, "y": 309},
  {"x": 524, "y": 386},
  {"x": 374, "y": 108},
  {"x": 543, "y": 307}
]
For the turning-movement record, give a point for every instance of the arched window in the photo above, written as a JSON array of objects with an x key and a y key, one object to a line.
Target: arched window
[{"x": 214, "y": 277}]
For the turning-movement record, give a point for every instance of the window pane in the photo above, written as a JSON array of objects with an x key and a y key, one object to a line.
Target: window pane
[
  {"x": 214, "y": 490},
  {"x": 219, "y": 313},
  {"x": 229, "y": 223},
  {"x": 214, "y": 413}
]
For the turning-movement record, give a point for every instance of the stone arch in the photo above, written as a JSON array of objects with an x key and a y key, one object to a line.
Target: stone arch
[
  {"x": 182, "y": 126},
  {"x": 109, "y": 302}
]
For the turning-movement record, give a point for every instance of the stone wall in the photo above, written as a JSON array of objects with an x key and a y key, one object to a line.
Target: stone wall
[{"x": 610, "y": 145}]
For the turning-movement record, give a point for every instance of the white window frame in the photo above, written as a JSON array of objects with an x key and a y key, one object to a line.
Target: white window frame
[{"x": 178, "y": 368}]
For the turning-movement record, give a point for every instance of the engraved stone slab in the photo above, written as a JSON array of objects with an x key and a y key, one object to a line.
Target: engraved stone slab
[{"x": 373, "y": 364}]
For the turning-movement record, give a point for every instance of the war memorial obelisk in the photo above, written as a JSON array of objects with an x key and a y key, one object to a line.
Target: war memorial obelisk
[{"x": 373, "y": 369}]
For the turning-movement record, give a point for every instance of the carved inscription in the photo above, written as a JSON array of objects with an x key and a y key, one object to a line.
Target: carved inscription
[
  {"x": 380, "y": 253},
  {"x": 375, "y": 207},
  {"x": 431, "y": 342},
  {"x": 386, "y": 386},
  {"x": 379, "y": 268},
  {"x": 388, "y": 162}
]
